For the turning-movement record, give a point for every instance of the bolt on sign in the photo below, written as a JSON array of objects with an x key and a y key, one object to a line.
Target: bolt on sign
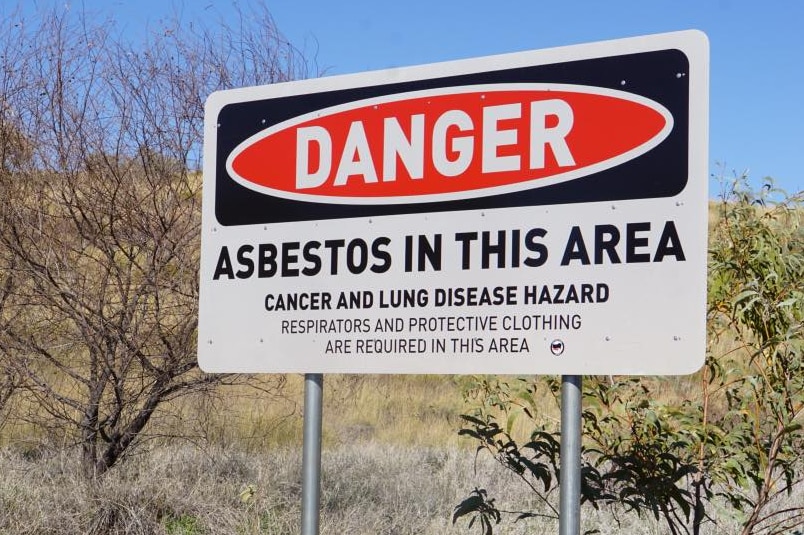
[{"x": 537, "y": 212}]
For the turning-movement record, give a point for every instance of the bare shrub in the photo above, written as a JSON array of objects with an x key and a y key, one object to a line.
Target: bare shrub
[{"x": 99, "y": 140}]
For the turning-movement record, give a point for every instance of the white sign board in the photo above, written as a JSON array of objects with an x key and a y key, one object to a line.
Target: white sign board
[{"x": 543, "y": 212}]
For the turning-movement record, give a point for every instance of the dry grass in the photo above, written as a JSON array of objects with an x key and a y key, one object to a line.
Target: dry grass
[
  {"x": 421, "y": 410},
  {"x": 367, "y": 489},
  {"x": 392, "y": 464},
  {"x": 417, "y": 410}
]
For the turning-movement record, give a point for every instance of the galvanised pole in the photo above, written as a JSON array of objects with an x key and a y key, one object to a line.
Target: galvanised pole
[
  {"x": 311, "y": 453},
  {"x": 569, "y": 522}
]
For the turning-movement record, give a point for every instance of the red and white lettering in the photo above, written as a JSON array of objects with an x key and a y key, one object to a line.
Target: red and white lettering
[{"x": 449, "y": 143}]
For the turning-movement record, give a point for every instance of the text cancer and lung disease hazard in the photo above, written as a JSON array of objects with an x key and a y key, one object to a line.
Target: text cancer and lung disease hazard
[{"x": 509, "y": 211}]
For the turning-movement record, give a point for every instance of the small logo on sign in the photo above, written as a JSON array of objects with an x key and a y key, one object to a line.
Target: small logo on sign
[{"x": 556, "y": 347}]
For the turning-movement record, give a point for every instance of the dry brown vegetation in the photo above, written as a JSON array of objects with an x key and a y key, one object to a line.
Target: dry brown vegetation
[
  {"x": 100, "y": 219},
  {"x": 367, "y": 489},
  {"x": 106, "y": 424}
]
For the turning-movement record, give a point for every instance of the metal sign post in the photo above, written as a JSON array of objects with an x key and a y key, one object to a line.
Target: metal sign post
[
  {"x": 509, "y": 214},
  {"x": 569, "y": 522},
  {"x": 311, "y": 453}
]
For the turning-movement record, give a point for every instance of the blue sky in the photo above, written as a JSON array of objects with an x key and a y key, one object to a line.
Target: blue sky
[{"x": 757, "y": 50}]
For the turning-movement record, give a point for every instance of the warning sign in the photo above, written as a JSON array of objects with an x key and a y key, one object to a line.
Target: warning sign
[{"x": 538, "y": 212}]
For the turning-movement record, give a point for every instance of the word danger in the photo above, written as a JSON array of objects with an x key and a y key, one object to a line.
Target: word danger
[
  {"x": 451, "y": 142},
  {"x": 448, "y": 143}
]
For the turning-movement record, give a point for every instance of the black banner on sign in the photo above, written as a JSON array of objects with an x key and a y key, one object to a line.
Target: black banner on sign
[{"x": 660, "y": 76}]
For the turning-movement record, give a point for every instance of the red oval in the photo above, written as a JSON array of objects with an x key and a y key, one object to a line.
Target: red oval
[{"x": 608, "y": 128}]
